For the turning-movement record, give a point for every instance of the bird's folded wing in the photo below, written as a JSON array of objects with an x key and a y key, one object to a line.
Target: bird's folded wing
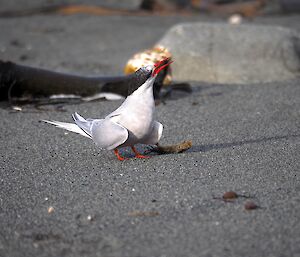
[{"x": 108, "y": 134}]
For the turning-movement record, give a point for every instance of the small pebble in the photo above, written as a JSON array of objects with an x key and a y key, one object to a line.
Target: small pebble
[
  {"x": 250, "y": 205},
  {"x": 50, "y": 209},
  {"x": 29, "y": 47},
  {"x": 143, "y": 213},
  {"x": 235, "y": 19},
  {"x": 17, "y": 108},
  {"x": 89, "y": 217},
  {"x": 16, "y": 42},
  {"x": 230, "y": 195},
  {"x": 133, "y": 189},
  {"x": 23, "y": 57}
]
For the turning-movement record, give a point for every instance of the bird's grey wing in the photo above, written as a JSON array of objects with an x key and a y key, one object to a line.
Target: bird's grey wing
[
  {"x": 108, "y": 134},
  {"x": 155, "y": 134}
]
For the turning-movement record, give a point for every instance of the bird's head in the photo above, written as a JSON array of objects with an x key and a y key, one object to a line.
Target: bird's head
[
  {"x": 150, "y": 74},
  {"x": 161, "y": 65},
  {"x": 154, "y": 70},
  {"x": 159, "y": 72}
]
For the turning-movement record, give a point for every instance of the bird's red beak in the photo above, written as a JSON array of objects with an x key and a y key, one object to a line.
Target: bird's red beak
[{"x": 161, "y": 65}]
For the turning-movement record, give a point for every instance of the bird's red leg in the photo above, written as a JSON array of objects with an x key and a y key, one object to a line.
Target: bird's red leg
[
  {"x": 138, "y": 155},
  {"x": 120, "y": 158}
]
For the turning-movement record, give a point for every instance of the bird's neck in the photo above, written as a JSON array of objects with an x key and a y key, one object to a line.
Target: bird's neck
[{"x": 146, "y": 88}]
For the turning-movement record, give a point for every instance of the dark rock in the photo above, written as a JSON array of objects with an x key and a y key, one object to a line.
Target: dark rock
[{"x": 290, "y": 6}]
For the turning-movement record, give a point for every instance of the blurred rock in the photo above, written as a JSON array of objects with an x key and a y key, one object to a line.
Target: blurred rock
[
  {"x": 290, "y": 6},
  {"x": 223, "y": 53}
]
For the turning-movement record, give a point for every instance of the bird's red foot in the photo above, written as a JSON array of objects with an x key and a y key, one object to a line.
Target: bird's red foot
[
  {"x": 120, "y": 158},
  {"x": 138, "y": 155},
  {"x": 141, "y": 156}
]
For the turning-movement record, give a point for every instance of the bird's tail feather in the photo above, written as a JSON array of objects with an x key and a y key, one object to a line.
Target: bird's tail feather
[
  {"x": 83, "y": 124},
  {"x": 68, "y": 126}
]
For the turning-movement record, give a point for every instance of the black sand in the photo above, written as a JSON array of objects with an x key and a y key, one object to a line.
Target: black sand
[{"x": 246, "y": 139}]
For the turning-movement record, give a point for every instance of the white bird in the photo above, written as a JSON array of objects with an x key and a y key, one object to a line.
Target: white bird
[{"x": 132, "y": 123}]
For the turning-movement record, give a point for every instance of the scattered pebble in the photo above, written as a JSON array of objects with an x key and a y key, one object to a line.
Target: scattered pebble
[
  {"x": 50, "y": 209},
  {"x": 29, "y": 47},
  {"x": 235, "y": 19},
  {"x": 143, "y": 213},
  {"x": 89, "y": 217},
  {"x": 23, "y": 57},
  {"x": 46, "y": 198},
  {"x": 17, "y": 108},
  {"x": 230, "y": 195},
  {"x": 133, "y": 189},
  {"x": 250, "y": 205},
  {"x": 16, "y": 42}
]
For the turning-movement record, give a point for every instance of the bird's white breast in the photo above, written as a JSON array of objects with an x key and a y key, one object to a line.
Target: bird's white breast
[{"x": 138, "y": 114}]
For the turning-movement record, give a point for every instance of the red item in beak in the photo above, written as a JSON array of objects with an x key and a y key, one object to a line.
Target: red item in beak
[
  {"x": 161, "y": 62},
  {"x": 158, "y": 66}
]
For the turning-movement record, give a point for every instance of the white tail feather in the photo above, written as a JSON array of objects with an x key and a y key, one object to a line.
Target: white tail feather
[{"x": 68, "y": 126}]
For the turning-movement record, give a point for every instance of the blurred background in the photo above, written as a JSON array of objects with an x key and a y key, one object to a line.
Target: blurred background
[
  {"x": 61, "y": 196},
  {"x": 74, "y": 31},
  {"x": 99, "y": 37}
]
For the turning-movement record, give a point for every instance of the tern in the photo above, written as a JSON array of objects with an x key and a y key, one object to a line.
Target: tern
[{"x": 132, "y": 123}]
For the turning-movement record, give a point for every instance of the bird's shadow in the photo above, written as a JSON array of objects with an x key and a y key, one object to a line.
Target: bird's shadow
[
  {"x": 179, "y": 90},
  {"x": 209, "y": 147}
]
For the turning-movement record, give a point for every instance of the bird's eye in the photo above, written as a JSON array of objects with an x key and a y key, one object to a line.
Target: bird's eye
[{"x": 148, "y": 68}]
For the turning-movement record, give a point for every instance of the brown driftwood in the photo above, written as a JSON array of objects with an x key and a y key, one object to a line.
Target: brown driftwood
[{"x": 176, "y": 148}]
